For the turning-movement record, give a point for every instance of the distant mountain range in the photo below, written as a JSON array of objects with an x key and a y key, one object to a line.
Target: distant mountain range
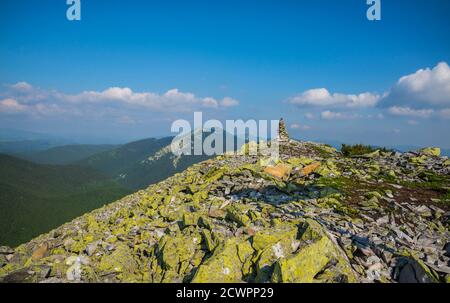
[
  {"x": 67, "y": 154},
  {"x": 28, "y": 146},
  {"x": 44, "y": 148},
  {"x": 7, "y": 134}
]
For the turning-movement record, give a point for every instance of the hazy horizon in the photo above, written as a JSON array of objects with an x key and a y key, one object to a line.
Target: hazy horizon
[{"x": 82, "y": 140}]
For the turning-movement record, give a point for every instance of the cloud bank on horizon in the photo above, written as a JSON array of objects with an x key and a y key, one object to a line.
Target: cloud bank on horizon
[
  {"x": 423, "y": 94},
  {"x": 24, "y": 99}
]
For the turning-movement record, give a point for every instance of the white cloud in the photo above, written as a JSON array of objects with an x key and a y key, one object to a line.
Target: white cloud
[
  {"x": 210, "y": 102},
  {"x": 22, "y": 86},
  {"x": 229, "y": 102},
  {"x": 420, "y": 94},
  {"x": 410, "y": 112},
  {"x": 330, "y": 115},
  {"x": 10, "y": 105},
  {"x": 301, "y": 127},
  {"x": 424, "y": 88},
  {"x": 171, "y": 101},
  {"x": 321, "y": 97},
  {"x": 38, "y": 101},
  {"x": 412, "y": 122}
]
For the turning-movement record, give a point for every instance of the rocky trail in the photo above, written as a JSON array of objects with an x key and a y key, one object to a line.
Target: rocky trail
[{"x": 312, "y": 215}]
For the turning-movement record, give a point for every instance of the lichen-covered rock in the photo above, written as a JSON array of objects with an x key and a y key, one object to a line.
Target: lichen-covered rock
[
  {"x": 328, "y": 169},
  {"x": 271, "y": 244},
  {"x": 302, "y": 267},
  {"x": 208, "y": 240},
  {"x": 174, "y": 250},
  {"x": 312, "y": 259},
  {"x": 190, "y": 219},
  {"x": 120, "y": 262},
  {"x": 418, "y": 160},
  {"x": 238, "y": 215},
  {"x": 224, "y": 265},
  {"x": 431, "y": 151},
  {"x": 267, "y": 237}
]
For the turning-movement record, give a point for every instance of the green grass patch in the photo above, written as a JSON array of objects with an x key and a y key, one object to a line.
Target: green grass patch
[{"x": 431, "y": 181}]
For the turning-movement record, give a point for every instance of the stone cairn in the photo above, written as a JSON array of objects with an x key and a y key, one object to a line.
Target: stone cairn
[{"x": 283, "y": 135}]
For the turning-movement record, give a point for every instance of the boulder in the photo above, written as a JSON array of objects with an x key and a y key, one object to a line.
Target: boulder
[
  {"x": 414, "y": 270},
  {"x": 121, "y": 262},
  {"x": 271, "y": 245},
  {"x": 5, "y": 250},
  {"x": 224, "y": 266},
  {"x": 312, "y": 259},
  {"x": 280, "y": 171},
  {"x": 309, "y": 169},
  {"x": 305, "y": 265},
  {"x": 431, "y": 151},
  {"x": 177, "y": 249},
  {"x": 190, "y": 219},
  {"x": 40, "y": 252},
  {"x": 238, "y": 215}
]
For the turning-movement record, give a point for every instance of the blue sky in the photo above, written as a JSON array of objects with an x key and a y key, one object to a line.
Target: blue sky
[{"x": 129, "y": 68}]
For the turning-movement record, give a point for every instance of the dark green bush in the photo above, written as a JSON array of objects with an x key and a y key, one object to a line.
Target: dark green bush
[{"x": 360, "y": 149}]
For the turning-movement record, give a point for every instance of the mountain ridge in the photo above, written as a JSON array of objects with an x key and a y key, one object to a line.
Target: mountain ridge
[
  {"x": 310, "y": 216},
  {"x": 67, "y": 154}
]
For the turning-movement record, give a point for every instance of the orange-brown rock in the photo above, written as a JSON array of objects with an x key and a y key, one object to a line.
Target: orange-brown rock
[
  {"x": 217, "y": 213},
  {"x": 249, "y": 231},
  {"x": 40, "y": 252},
  {"x": 310, "y": 168},
  {"x": 280, "y": 171}
]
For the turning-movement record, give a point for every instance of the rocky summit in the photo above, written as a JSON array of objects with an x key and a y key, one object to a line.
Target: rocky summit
[{"x": 310, "y": 215}]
